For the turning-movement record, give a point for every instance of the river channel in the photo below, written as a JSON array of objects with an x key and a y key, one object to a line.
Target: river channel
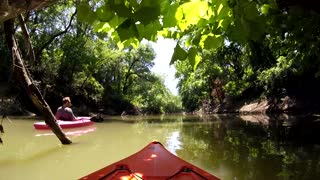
[{"x": 231, "y": 147}]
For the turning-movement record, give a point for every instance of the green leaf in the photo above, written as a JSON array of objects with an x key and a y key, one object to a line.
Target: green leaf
[
  {"x": 265, "y": 8},
  {"x": 150, "y": 31},
  {"x": 224, "y": 12},
  {"x": 147, "y": 14},
  {"x": 188, "y": 41},
  {"x": 211, "y": 41},
  {"x": 202, "y": 22},
  {"x": 196, "y": 38},
  {"x": 101, "y": 26},
  {"x": 85, "y": 14},
  {"x": 134, "y": 42},
  {"x": 104, "y": 13},
  {"x": 121, "y": 9},
  {"x": 251, "y": 11},
  {"x": 225, "y": 23},
  {"x": 195, "y": 10},
  {"x": 127, "y": 30},
  {"x": 219, "y": 9},
  {"x": 170, "y": 19},
  {"x": 193, "y": 57},
  {"x": 178, "y": 54}
]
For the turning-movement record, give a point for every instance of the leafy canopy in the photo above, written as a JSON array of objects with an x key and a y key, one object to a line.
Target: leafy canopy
[{"x": 196, "y": 24}]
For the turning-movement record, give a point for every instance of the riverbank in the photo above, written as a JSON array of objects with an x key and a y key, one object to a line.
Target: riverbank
[{"x": 292, "y": 105}]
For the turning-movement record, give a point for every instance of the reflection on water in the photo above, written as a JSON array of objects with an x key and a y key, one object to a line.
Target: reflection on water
[
  {"x": 173, "y": 142},
  {"x": 230, "y": 147}
]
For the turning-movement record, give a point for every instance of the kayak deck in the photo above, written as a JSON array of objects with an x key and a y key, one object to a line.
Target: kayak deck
[{"x": 153, "y": 162}]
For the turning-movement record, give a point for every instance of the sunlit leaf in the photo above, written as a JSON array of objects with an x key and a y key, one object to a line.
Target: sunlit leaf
[
  {"x": 134, "y": 42},
  {"x": 182, "y": 25},
  {"x": 188, "y": 41},
  {"x": 193, "y": 11},
  {"x": 224, "y": 12},
  {"x": 101, "y": 27},
  {"x": 265, "y": 8},
  {"x": 116, "y": 21},
  {"x": 219, "y": 9}
]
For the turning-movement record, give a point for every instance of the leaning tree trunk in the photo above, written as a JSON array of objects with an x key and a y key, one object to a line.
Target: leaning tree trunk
[{"x": 22, "y": 76}]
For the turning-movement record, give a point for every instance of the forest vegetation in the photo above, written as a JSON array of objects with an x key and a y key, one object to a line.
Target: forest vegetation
[{"x": 228, "y": 53}]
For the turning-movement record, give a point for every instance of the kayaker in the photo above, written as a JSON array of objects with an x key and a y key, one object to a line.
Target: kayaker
[{"x": 64, "y": 112}]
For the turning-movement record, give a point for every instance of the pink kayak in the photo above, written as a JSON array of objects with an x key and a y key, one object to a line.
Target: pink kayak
[{"x": 81, "y": 121}]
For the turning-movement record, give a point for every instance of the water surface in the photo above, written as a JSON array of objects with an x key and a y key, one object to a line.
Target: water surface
[{"x": 228, "y": 146}]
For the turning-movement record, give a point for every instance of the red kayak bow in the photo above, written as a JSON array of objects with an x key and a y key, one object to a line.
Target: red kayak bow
[{"x": 153, "y": 162}]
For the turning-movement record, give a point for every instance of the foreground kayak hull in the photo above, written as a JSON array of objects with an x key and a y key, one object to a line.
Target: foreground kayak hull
[
  {"x": 153, "y": 162},
  {"x": 81, "y": 122}
]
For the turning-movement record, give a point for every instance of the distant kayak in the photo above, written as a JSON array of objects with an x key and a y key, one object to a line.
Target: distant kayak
[
  {"x": 153, "y": 162},
  {"x": 81, "y": 121}
]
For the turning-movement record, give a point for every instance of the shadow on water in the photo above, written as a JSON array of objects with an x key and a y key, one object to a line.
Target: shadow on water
[
  {"x": 256, "y": 147},
  {"x": 245, "y": 146}
]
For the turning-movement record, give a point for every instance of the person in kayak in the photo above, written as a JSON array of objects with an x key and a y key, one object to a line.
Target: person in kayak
[{"x": 64, "y": 112}]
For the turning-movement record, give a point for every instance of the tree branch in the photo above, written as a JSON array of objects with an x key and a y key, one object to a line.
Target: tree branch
[
  {"x": 45, "y": 45},
  {"x": 22, "y": 76},
  {"x": 27, "y": 39}
]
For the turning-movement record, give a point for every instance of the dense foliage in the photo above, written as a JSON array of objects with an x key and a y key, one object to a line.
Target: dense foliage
[
  {"x": 226, "y": 50},
  {"x": 277, "y": 60},
  {"x": 257, "y": 47},
  {"x": 71, "y": 60}
]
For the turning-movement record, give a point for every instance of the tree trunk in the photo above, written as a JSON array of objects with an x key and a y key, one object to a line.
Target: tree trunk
[{"x": 22, "y": 76}]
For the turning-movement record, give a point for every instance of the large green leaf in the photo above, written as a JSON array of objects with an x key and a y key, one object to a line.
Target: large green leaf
[
  {"x": 120, "y": 8},
  {"x": 127, "y": 30},
  {"x": 195, "y": 10},
  {"x": 116, "y": 21},
  {"x": 193, "y": 57},
  {"x": 150, "y": 31},
  {"x": 250, "y": 11},
  {"x": 104, "y": 13},
  {"x": 211, "y": 41},
  {"x": 134, "y": 42},
  {"x": 170, "y": 19},
  {"x": 152, "y": 14},
  {"x": 85, "y": 14},
  {"x": 224, "y": 12},
  {"x": 178, "y": 54},
  {"x": 237, "y": 34},
  {"x": 101, "y": 27}
]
